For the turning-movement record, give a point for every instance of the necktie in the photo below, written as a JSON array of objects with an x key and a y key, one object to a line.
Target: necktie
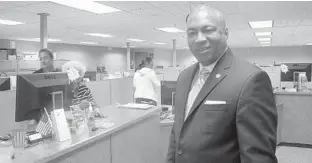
[{"x": 203, "y": 75}]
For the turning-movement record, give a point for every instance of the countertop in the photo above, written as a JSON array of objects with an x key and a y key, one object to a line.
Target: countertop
[
  {"x": 49, "y": 150},
  {"x": 294, "y": 93}
]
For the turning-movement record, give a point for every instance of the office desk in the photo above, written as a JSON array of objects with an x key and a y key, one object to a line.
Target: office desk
[
  {"x": 133, "y": 138},
  {"x": 297, "y": 113}
]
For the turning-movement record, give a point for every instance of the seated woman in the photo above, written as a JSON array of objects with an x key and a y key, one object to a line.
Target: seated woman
[{"x": 81, "y": 94}]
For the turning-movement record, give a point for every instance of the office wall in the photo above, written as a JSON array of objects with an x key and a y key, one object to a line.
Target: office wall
[
  {"x": 163, "y": 57},
  {"x": 4, "y": 43},
  {"x": 91, "y": 56},
  {"x": 261, "y": 55}
]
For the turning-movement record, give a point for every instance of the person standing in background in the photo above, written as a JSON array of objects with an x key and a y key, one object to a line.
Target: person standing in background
[
  {"x": 146, "y": 84},
  {"x": 46, "y": 62},
  {"x": 225, "y": 110},
  {"x": 141, "y": 65}
]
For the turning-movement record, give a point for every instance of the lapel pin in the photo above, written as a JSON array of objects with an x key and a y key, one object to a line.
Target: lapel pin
[{"x": 218, "y": 75}]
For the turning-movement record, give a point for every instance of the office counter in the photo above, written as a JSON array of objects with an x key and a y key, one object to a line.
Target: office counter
[
  {"x": 133, "y": 138},
  {"x": 297, "y": 116},
  {"x": 165, "y": 131},
  {"x": 294, "y": 93},
  {"x": 7, "y": 116},
  {"x": 106, "y": 92}
]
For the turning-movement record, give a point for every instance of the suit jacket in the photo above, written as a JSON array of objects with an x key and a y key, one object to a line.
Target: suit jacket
[{"x": 232, "y": 120}]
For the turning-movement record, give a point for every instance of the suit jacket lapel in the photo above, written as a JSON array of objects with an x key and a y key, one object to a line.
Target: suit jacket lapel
[
  {"x": 184, "y": 88},
  {"x": 215, "y": 77}
]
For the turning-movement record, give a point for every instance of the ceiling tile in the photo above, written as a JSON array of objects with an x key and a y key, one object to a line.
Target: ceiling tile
[
  {"x": 177, "y": 11},
  {"x": 286, "y": 23},
  {"x": 5, "y": 6},
  {"x": 57, "y": 11},
  {"x": 236, "y": 22},
  {"x": 269, "y": 10},
  {"x": 128, "y": 5},
  {"x": 19, "y": 3},
  {"x": 225, "y": 7},
  {"x": 138, "y": 19},
  {"x": 172, "y": 4}
]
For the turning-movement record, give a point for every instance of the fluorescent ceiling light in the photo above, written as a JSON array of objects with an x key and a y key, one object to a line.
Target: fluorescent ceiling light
[
  {"x": 89, "y": 43},
  {"x": 261, "y": 24},
  {"x": 131, "y": 46},
  {"x": 52, "y": 40},
  {"x": 38, "y": 39},
  {"x": 87, "y": 5},
  {"x": 30, "y": 53},
  {"x": 263, "y": 33},
  {"x": 265, "y": 42},
  {"x": 264, "y": 39},
  {"x": 135, "y": 40},
  {"x": 98, "y": 35},
  {"x": 10, "y": 22},
  {"x": 310, "y": 43},
  {"x": 170, "y": 29},
  {"x": 29, "y": 39},
  {"x": 159, "y": 43},
  {"x": 266, "y": 45}
]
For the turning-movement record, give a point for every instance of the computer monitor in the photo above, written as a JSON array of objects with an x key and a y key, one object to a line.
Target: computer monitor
[
  {"x": 91, "y": 75},
  {"x": 33, "y": 92},
  {"x": 5, "y": 83},
  {"x": 168, "y": 89}
]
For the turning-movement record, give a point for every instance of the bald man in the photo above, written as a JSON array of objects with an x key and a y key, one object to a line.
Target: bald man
[{"x": 225, "y": 110}]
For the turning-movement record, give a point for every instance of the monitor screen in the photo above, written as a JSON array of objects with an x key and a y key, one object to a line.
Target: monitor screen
[
  {"x": 91, "y": 75},
  {"x": 33, "y": 92},
  {"x": 296, "y": 67},
  {"x": 5, "y": 83},
  {"x": 168, "y": 89}
]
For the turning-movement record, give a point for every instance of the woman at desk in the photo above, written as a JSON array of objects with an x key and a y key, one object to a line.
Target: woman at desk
[
  {"x": 146, "y": 83},
  {"x": 46, "y": 62},
  {"x": 81, "y": 94}
]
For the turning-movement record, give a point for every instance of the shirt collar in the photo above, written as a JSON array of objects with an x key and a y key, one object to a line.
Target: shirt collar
[{"x": 212, "y": 66}]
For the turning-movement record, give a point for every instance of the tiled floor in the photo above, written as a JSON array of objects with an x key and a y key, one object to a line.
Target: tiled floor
[{"x": 293, "y": 155}]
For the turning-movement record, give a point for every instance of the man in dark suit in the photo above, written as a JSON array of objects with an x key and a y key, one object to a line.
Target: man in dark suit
[{"x": 225, "y": 111}]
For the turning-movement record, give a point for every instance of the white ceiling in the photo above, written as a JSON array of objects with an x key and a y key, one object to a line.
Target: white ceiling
[{"x": 292, "y": 22}]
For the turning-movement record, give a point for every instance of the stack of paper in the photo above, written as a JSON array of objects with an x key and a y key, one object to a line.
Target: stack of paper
[{"x": 136, "y": 106}]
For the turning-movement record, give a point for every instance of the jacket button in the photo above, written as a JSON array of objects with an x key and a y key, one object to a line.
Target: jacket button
[{"x": 180, "y": 152}]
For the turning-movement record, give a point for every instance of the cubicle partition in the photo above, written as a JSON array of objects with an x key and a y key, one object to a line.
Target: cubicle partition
[
  {"x": 101, "y": 92},
  {"x": 296, "y": 117},
  {"x": 121, "y": 90}
]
